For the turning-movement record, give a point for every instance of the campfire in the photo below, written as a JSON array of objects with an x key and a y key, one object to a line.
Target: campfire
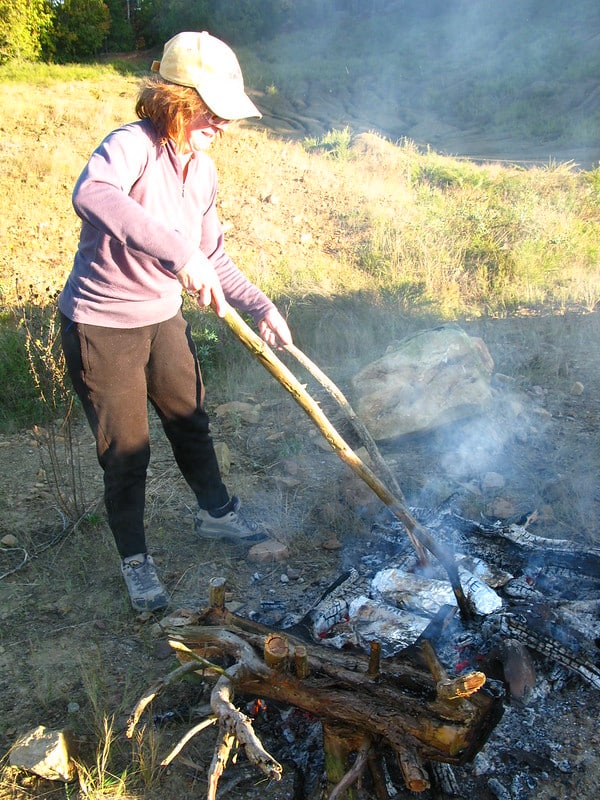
[
  {"x": 397, "y": 687},
  {"x": 400, "y": 673}
]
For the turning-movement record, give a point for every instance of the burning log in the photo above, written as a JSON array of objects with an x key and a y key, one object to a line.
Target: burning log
[{"x": 368, "y": 706}]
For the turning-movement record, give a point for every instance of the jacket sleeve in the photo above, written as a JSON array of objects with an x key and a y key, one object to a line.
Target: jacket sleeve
[{"x": 101, "y": 198}]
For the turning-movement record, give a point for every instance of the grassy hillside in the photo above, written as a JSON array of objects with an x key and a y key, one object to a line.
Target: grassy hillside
[
  {"x": 478, "y": 78},
  {"x": 350, "y": 233}
]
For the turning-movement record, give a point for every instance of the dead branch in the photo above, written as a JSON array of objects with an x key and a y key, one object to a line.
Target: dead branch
[
  {"x": 240, "y": 726},
  {"x": 353, "y": 773},
  {"x": 24, "y": 560},
  {"x": 219, "y": 761},
  {"x": 361, "y": 430},
  {"x": 185, "y": 739},
  {"x": 396, "y": 708},
  {"x": 413, "y": 771},
  {"x": 156, "y": 688}
]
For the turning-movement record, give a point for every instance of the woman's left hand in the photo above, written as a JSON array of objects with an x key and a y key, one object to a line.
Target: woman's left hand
[{"x": 274, "y": 329}]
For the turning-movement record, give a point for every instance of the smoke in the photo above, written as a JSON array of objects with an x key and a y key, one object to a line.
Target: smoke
[{"x": 512, "y": 80}]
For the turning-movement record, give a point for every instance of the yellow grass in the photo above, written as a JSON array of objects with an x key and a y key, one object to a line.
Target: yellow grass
[{"x": 417, "y": 227}]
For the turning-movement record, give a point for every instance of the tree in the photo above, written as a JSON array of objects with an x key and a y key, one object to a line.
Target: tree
[
  {"x": 80, "y": 28},
  {"x": 121, "y": 35},
  {"x": 24, "y": 24}
]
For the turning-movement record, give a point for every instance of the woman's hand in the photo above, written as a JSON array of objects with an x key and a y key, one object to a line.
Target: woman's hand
[
  {"x": 274, "y": 329},
  {"x": 200, "y": 280}
]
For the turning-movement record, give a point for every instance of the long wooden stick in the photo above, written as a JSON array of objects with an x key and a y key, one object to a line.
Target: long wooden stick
[
  {"x": 263, "y": 353},
  {"x": 360, "y": 428}
]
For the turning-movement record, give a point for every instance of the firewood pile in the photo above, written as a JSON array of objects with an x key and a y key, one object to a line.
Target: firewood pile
[
  {"x": 388, "y": 716},
  {"x": 397, "y": 707}
]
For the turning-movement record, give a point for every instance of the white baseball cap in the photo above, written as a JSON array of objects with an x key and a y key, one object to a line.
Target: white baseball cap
[{"x": 211, "y": 67}]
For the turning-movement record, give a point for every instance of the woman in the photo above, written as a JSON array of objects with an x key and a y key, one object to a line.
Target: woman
[{"x": 149, "y": 229}]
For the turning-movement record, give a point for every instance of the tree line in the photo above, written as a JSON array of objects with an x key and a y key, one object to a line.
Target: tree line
[
  {"x": 71, "y": 30},
  {"x": 74, "y": 30}
]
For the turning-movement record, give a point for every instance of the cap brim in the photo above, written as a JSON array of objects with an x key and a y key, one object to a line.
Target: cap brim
[{"x": 228, "y": 105}]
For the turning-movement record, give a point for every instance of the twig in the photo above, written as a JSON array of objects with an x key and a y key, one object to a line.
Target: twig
[
  {"x": 229, "y": 643},
  {"x": 353, "y": 773},
  {"x": 360, "y": 428},
  {"x": 185, "y": 739},
  {"x": 218, "y": 764},
  {"x": 59, "y": 537},
  {"x": 26, "y": 558},
  {"x": 156, "y": 688},
  {"x": 177, "y": 645}
]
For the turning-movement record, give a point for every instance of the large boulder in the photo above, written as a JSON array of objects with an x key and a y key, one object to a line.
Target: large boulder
[{"x": 425, "y": 381}]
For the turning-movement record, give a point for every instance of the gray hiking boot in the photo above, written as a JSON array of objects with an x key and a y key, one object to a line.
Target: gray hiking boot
[
  {"x": 145, "y": 589},
  {"x": 231, "y": 526}
]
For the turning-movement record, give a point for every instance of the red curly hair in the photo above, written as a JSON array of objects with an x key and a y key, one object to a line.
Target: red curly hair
[{"x": 170, "y": 107}]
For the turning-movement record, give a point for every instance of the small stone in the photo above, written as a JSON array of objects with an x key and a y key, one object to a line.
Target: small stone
[
  {"x": 10, "y": 540},
  {"x": 156, "y": 630},
  {"x": 268, "y": 551},
  {"x": 577, "y": 388},
  {"x": 245, "y": 411},
  {"x": 502, "y": 508},
  {"x": 73, "y": 708},
  {"x": 284, "y": 578},
  {"x": 332, "y": 543},
  {"x": 492, "y": 480},
  {"x": 162, "y": 650},
  {"x": 289, "y": 466}
]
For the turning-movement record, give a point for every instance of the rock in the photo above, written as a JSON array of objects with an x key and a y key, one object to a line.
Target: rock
[
  {"x": 245, "y": 411},
  {"x": 429, "y": 379},
  {"x": 331, "y": 543},
  {"x": 268, "y": 551},
  {"x": 502, "y": 508},
  {"x": 45, "y": 753},
  {"x": 10, "y": 540},
  {"x": 577, "y": 388},
  {"x": 223, "y": 457},
  {"x": 492, "y": 480},
  {"x": 518, "y": 666},
  {"x": 162, "y": 650}
]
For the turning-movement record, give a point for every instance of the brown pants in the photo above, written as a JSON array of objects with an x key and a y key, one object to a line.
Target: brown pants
[{"x": 115, "y": 371}]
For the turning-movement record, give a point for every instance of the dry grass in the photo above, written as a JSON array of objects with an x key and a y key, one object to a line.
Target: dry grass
[{"x": 385, "y": 220}]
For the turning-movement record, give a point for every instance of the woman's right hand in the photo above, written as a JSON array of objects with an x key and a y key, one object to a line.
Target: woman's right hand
[{"x": 200, "y": 280}]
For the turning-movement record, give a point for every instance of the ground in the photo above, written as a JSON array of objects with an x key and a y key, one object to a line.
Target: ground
[{"x": 72, "y": 651}]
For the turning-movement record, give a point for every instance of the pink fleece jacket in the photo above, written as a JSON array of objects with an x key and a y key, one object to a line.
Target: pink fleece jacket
[{"x": 141, "y": 224}]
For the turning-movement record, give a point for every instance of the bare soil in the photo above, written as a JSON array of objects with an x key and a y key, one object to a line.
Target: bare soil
[{"x": 72, "y": 651}]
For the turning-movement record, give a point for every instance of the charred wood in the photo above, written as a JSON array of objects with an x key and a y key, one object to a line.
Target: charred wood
[{"x": 365, "y": 709}]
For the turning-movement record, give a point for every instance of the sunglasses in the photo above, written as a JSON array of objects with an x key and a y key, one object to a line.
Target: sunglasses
[{"x": 214, "y": 121}]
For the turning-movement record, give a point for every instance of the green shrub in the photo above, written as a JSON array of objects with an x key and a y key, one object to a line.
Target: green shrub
[
  {"x": 20, "y": 404},
  {"x": 335, "y": 143}
]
